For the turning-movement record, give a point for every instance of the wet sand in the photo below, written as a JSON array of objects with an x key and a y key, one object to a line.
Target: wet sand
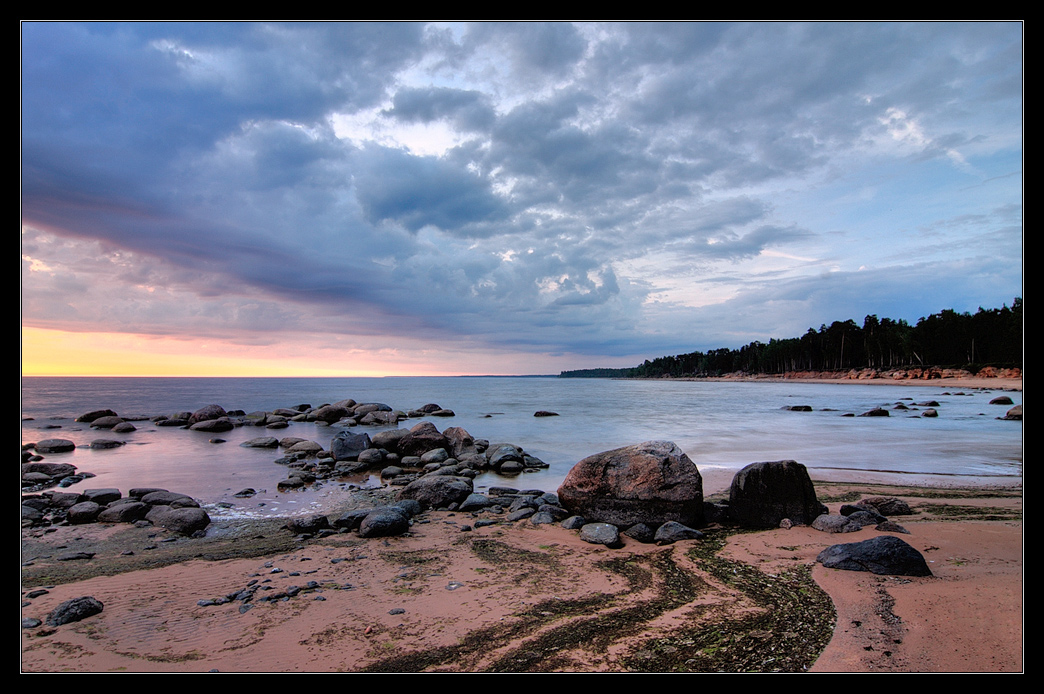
[{"x": 524, "y": 598}]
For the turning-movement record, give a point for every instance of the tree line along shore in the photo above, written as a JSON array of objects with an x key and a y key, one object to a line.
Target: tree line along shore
[{"x": 987, "y": 343}]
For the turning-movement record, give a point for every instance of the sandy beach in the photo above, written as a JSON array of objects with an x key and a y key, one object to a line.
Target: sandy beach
[{"x": 525, "y": 598}]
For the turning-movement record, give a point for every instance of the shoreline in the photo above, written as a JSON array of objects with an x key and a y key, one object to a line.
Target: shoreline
[
  {"x": 977, "y": 383},
  {"x": 512, "y": 597}
]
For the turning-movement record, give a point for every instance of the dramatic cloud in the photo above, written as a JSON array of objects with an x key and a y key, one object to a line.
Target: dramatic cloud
[{"x": 543, "y": 192}]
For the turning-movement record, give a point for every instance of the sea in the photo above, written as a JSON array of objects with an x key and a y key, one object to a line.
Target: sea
[{"x": 721, "y": 425}]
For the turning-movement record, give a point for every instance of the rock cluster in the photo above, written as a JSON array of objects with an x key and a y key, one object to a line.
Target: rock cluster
[
  {"x": 401, "y": 455},
  {"x": 171, "y": 510}
]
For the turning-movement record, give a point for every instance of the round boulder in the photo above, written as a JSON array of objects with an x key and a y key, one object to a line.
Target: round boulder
[{"x": 652, "y": 483}]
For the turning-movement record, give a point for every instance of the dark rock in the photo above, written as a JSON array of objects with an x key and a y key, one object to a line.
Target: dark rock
[
  {"x": 309, "y": 448},
  {"x": 891, "y": 527},
  {"x": 601, "y": 534},
  {"x": 106, "y": 422},
  {"x": 95, "y": 414},
  {"x": 573, "y": 523},
  {"x": 640, "y": 532},
  {"x": 172, "y": 422},
  {"x": 1002, "y": 400},
  {"x": 474, "y": 502},
  {"x": 763, "y": 494},
  {"x": 521, "y": 514},
  {"x": 410, "y": 507},
  {"x": 876, "y": 412},
  {"x": 83, "y": 512},
  {"x": 74, "y": 610},
  {"x": 350, "y": 520},
  {"x": 545, "y": 413},
  {"x": 55, "y": 446},
  {"x": 888, "y": 506},
  {"x": 204, "y": 414},
  {"x": 332, "y": 413},
  {"x": 389, "y": 439},
  {"x": 308, "y": 525},
  {"x": 106, "y": 443},
  {"x": 459, "y": 440},
  {"x": 385, "y": 521},
  {"x": 835, "y": 523},
  {"x": 185, "y": 521},
  {"x": 421, "y": 439},
  {"x": 102, "y": 496},
  {"x": 851, "y": 509},
  {"x": 348, "y": 446},
  {"x": 930, "y": 412},
  {"x": 671, "y": 532},
  {"x": 165, "y": 498},
  {"x": 124, "y": 428},
  {"x": 52, "y": 470},
  {"x": 213, "y": 425},
  {"x": 438, "y": 491},
  {"x": 652, "y": 483},
  {"x": 715, "y": 511},
  {"x": 261, "y": 442},
  {"x": 63, "y": 500},
  {"x": 31, "y": 515},
  {"x": 502, "y": 453},
  {"x": 556, "y": 512},
  {"x": 128, "y": 512},
  {"x": 884, "y": 555},
  {"x": 1014, "y": 414}
]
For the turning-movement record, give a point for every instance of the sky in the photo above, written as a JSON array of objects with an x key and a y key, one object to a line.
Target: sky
[{"x": 356, "y": 199}]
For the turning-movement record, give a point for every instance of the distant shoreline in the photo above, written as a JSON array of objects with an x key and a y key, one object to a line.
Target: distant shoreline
[{"x": 1013, "y": 384}]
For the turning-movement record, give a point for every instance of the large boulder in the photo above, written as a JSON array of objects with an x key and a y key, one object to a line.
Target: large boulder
[
  {"x": 652, "y": 483},
  {"x": 763, "y": 494},
  {"x": 885, "y": 555}
]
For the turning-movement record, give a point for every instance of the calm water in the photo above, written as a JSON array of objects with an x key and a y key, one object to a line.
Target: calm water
[{"x": 719, "y": 425}]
